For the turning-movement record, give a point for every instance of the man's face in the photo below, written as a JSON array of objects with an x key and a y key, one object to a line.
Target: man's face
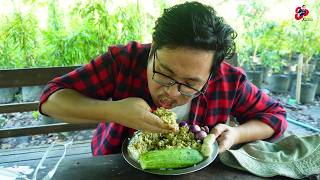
[{"x": 184, "y": 65}]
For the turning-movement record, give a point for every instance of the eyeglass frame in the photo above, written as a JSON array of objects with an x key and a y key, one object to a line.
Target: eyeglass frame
[{"x": 173, "y": 81}]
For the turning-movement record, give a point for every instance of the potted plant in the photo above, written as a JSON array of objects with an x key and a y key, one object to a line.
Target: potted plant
[
  {"x": 271, "y": 47},
  {"x": 253, "y": 70},
  {"x": 251, "y": 15},
  {"x": 317, "y": 59},
  {"x": 307, "y": 44},
  {"x": 279, "y": 80}
]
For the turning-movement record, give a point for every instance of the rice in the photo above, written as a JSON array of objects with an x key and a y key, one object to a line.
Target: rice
[
  {"x": 166, "y": 115},
  {"x": 142, "y": 142}
]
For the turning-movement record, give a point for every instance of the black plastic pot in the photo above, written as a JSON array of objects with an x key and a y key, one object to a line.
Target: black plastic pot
[
  {"x": 318, "y": 89},
  {"x": 318, "y": 65},
  {"x": 316, "y": 80},
  {"x": 279, "y": 83},
  {"x": 266, "y": 71},
  {"x": 309, "y": 68},
  {"x": 285, "y": 69},
  {"x": 307, "y": 94},
  {"x": 255, "y": 77},
  {"x": 316, "y": 58},
  {"x": 295, "y": 57},
  {"x": 293, "y": 79}
]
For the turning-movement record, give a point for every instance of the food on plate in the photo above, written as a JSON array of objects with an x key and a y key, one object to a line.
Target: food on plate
[
  {"x": 195, "y": 128},
  {"x": 171, "y": 150},
  {"x": 143, "y": 142},
  {"x": 167, "y": 116},
  {"x": 157, "y": 159},
  {"x": 201, "y": 135},
  {"x": 206, "y": 148}
]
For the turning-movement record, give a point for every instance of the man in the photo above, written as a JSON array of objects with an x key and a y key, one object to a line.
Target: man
[{"x": 182, "y": 69}]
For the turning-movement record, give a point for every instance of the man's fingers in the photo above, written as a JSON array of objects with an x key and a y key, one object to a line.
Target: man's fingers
[
  {"x": 218, "y": 129},
  {"x": 222, "y": 148},
  {"x": 156, "y": 130},
  {"x": 222, "y": 144},
  {"x": 156, "y": 122}
]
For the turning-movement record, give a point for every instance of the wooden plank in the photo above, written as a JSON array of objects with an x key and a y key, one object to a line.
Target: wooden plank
[
  {"x": 28, "y": 157},
  {"x": 19, "y": 107},
  {"x": 50, "y": 161},
  {"x": 47, "y": 165},
  {"x": 54, "y": 153},
  {"x": 116, "y": 168},
  {"x": 35, "y": 156},
  {"x": 42, "y": 148},
  {"x": 44, "y": 129},
  {"x": 31, "y": 76}
]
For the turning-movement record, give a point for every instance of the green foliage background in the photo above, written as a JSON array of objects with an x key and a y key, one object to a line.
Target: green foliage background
[
  {"x": 276, "y": 42},
  {"x": 74, "y": 38},
  {"x": 87, "y": 28}
]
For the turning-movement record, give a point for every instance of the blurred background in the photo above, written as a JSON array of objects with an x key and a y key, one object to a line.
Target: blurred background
[
  {"x": 36, "y": 33},
  {"x": 47, "y": 33}
]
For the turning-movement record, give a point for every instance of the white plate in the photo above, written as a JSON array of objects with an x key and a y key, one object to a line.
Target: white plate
[{"x": 179, "y": 171}]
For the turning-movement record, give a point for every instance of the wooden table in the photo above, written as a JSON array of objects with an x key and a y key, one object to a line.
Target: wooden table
[
  {"x": 79, "y": 164},
  {"x": 115, "y": 167}
]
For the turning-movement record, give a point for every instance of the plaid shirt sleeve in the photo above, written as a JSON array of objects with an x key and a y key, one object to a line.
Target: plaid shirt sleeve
[
  {"x": 94, "y": 79},
  {"x": 252, "y": 103}
]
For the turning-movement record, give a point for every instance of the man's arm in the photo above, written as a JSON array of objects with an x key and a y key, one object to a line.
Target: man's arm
[
  {"x": 81, "y": 95},
  {"x": 251, "y": 104},
  {"x": 260, "y": 117},
  {"x": 72, "y": 107},
  {"x": 253, "y": 130}
]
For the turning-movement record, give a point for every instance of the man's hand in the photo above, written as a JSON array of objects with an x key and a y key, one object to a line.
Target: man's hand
[
  {"x": 226, "y": 136},
  {"x": 136, "y": 113},
  {"x": 252, "y": 130}
]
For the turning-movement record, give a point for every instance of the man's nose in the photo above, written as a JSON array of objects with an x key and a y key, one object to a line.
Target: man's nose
[{"x": 172, "y": 90}]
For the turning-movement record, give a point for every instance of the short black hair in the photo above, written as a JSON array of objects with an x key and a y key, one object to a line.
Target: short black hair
[{"x": 197, "y": 26}]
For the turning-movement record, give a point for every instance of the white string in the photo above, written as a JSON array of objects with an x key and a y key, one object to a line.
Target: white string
[
  {"x": 44, "y": 157},
  {"x": 54, "y": 169}
]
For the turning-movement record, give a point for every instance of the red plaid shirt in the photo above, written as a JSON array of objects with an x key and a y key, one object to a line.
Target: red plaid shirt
[{"x": 122, "y": 72}]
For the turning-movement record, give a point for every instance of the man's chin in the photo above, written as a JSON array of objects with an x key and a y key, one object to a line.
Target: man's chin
[{"x": 165, "y": 105}]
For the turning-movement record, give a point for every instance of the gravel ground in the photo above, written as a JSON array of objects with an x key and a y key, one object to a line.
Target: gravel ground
[
  {"x": 13, "y": 120},
  {"x": 309, "y": 114}
]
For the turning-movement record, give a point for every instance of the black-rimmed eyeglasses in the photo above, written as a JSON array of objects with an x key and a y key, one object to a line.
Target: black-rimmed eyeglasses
[{"x": 167, "y": 81}]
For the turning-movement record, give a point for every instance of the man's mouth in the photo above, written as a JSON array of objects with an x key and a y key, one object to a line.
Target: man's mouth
[{"x": 165, "y": 102}]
